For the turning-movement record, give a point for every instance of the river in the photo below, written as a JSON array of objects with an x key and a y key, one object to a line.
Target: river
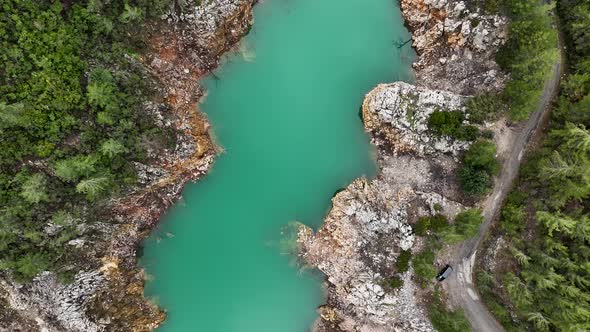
[{"x": 285, "y": 110}]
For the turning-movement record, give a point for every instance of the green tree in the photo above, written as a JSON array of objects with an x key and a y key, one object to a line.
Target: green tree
[
  {"x": 34, "y": 189},
  {"x": 11, "y": 115},
  {"x": 556, "y": 223},
  {"x": 112, "y": 148},
  {"x": 29, "y": 265},
  {"x": 479, "y": 165},
  {"x": 402, "y": 263},
  {"x": 574, "y": 138},
  {"x": 482, "y": 155},
  {"x": 93, "y": 187},
  {"x": 131, "y": 14},
  {"x": 72, "y": 169},
  {"x": 423, "y": 265},
  {"x": 467, "y": 222},
  {"x": 473, "y": 181},
  {"x": 445, "y": 320},
  {"x": 539, "y": 321}
]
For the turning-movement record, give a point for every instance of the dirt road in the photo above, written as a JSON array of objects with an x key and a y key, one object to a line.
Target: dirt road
[{"x": 459, "y": 286}]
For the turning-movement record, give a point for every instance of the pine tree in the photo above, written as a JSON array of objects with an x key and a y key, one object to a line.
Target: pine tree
[
  {"x": 539, "y": 321},
  {"x": 93, "y": 187},
  {"x": 112, "y": 148},
  {"x": 557, "y": 223},
  {"x": 574, "y": 138},
  {"x": 34, "y": 190}
]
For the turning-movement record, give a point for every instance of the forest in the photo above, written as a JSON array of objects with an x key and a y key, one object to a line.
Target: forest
[
  {"x": 71, "y": 123},
  {"x": 542, "y": 282}
]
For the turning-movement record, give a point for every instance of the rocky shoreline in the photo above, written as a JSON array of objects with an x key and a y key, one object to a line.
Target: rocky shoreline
[
  {"x": 370, "y": 221},
  {"x": 185, "y": 45}
]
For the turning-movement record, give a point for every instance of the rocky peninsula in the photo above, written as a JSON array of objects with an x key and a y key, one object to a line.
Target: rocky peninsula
[{"x": 370, "y": 223}]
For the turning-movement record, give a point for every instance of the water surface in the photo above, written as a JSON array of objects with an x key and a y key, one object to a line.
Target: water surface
[{"x": 285, "y": 109}]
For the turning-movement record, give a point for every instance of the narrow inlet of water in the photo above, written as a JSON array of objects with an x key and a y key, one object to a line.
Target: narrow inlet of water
[{"x": 286, "y": 110}]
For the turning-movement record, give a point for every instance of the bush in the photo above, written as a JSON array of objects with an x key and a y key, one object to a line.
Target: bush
[
  {"x": 451, "y": 124},
  {"x": 482, "y": 155},
  {"x": 423, "y": 265},
  {"x": 467, "y": 222},
  {"x": 479, "y": 165},
  {"x": 436, "y": 224},
  {"x": 474, "y": 182},
  {"x": 422, "y": 226},
  {"x": 439, "y": 222},
  {"x": 402, "y": 264},
  {"x": 484, "y": 108},
  {"x": 396, "y": 282}
]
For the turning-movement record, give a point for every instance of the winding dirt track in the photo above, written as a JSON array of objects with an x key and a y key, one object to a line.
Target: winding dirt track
[{"x": 459, "y": 286}]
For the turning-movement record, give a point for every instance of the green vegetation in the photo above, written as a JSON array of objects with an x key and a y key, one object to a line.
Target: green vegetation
[
  {"x": 445, "y": 320},
  {"x": 396, "y": 282},
  {"x": 451, "y": 124},
  {"x": 484, "y": 108},
  {"x": 71, "y": 124},
  {"x": 402, "y": 264},
  {"x": 528, "y": 55},
  {"x": 438, "y": 231},
  {"x": 466, "y": 226},
  {"x": 544, "y": 277},
  {"x": 435, "y": 223},
  {"x": 423, "y": 264},
  {"x": 479, "y": 166}
]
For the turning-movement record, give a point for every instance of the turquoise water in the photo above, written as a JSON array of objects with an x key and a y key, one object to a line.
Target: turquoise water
[{"x": 285, "y": 109}]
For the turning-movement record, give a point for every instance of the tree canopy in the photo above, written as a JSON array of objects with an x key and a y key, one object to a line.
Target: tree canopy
[{"x": 71, "y": 120}]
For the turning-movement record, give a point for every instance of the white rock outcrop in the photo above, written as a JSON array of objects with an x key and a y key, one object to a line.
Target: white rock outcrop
[
  {"x": 456, "y": 45},
  {"x": 400, "y": 112},
  {"x": 370, "y": 221}
]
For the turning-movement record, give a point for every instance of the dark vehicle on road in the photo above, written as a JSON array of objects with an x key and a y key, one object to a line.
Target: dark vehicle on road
[{"x": 444, "y": 273}]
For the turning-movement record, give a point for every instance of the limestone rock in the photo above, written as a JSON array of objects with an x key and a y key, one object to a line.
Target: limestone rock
[
  {"x": 400, "y": 111},
  {"x": 469, "y": 40}
]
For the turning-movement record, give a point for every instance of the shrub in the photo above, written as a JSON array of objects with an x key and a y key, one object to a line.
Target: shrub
[
  {"x": 479, "y": 165},
  {"x": 451, "y": 124},
  {"x": 402, "y": 264},
  {"x": 396, "y": 282},
  {"x": 467, "y": 222},
  {"x": 438, "y": 222},
  {"x": 435, "y": 223},
  {"x": 438, "y": 207},
  {"x": 484, "y": 108},
  {"x": 422, "y": 226},
  {"x": 423, "y": 265},
  {"x": 482, "y": 155},
  {"x": 474, "y": 182}
]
